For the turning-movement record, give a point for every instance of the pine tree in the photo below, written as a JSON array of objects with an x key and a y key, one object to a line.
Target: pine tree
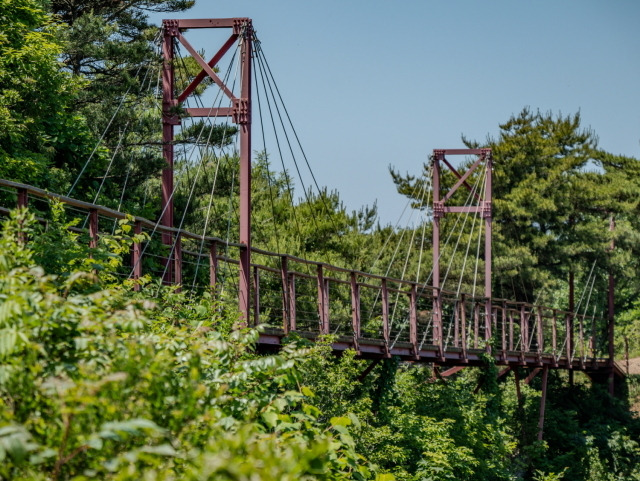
[
  {"x": 38, "y": 126},
  {"x": 110, "y": 45}
]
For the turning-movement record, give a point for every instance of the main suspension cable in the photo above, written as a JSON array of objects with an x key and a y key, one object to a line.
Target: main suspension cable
[{"x": 263, "y": 59}]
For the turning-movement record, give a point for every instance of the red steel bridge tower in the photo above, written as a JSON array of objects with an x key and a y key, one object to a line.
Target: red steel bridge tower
[{"x": 239, "y": 112}]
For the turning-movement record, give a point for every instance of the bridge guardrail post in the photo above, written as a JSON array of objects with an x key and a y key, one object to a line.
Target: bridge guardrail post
[
  {"x": 511, "y": 329},
  {"x": 323, "y": 307},
  {"x": 456, "y": 322},
  {"x": 540, "y": 322},
  {"x": 385, "y": 317},
  {"x": 213, "y": 265},
  {"x": 93, "y": 228},
  {"x": 292, "y": 301},
  {"x": 437, "y": 319},
  {"x": 355, "y": 309},
  {"x": 554, "y": 335},
  {"x": 23, "y": 202},
  {"x": 503, "y": 309},
  {"x": 177, "y": 261},
  {"x": 256, "y": 295},
  {"x": 463, "y": 326},
  {"x": 592, "y": 342},
  {"x": 568, "y": 338},
  {"x": 284, "y": 279},
  {"x": 524, "y": 329},
  {"x": 488, "y": 320},
  {"x": 476, "y": 323},
  {"x": 494, "y": 321},
  {"x": 23, "y": 197},
  {"x": 136, "y": 256},
  {"x": 581, "y": 334},
  {"x": 413, "y": 320}
]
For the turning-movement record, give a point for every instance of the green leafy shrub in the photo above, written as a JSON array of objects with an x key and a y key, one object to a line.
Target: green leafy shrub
[{"x": 96, "y": 383}]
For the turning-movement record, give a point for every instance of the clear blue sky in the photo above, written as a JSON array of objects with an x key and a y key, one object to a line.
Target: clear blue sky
[{"x": 373, "y": 83}]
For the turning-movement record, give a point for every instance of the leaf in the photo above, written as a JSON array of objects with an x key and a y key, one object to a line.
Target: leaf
[
  {"x": 385, "y": 477},
  {"x": 162, "y": 450},
  {"x": 132, "y": 427},
  {"x": 95, "y": 443},
  {"x": 307, "y": 392},
  {"x": 311, "y": 410},
  {"x": 354, "y": 420},
  {"x": 15, "y": 441},
  {"x": 8, "y": 341},
  {"x": 340, "y": 421},
  {"x": 270, "y": 418}
]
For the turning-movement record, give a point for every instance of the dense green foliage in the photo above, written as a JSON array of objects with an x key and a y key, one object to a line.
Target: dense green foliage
[
  {"x": 38, "y": 127},
  {"x": 98, "y": 381},
  {"x": 95, "y": 382}
]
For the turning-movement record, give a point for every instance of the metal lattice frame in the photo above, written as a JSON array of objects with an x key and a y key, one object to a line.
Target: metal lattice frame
[
  {"x": 240, "y": 113},
  {"x": 440, "y": 209}
]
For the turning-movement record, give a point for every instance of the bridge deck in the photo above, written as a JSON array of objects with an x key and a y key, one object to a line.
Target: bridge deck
[{"x": 365, "y": 348}]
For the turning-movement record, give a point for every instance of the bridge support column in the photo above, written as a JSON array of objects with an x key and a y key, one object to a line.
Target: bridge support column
[
  {"x": 516, "y": 378},
  {"x": 487, "y": 214},
  {"x": 437, "y": 213},
  {"x": 169, "y": 120},
  {"x": 543, "y": 400},
  {"x": 610, "y": 318},
  {"x": 569, "y": 325},
  {"x": 243, "y": 119}
]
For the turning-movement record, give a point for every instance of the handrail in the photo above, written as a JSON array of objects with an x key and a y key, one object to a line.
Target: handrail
[
  {"x": 465, "y": 321},
  {"x": 108, "y": 212}
]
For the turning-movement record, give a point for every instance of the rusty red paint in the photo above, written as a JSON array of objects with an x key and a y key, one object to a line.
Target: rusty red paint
[{"x": 240, "y": 113}]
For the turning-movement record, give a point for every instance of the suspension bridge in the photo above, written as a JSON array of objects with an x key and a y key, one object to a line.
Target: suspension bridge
[{"x": 378, "y": 316}]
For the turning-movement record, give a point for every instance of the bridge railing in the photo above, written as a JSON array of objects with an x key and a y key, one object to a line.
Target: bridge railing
[{"x": 312, "y": 298}]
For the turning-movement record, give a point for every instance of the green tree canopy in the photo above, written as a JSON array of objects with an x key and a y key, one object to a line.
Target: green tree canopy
[{"x": 39, "y": 126}]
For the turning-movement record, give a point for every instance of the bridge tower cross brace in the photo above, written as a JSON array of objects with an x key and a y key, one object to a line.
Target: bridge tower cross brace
[
  {"x": 240, "y": 113},
  {"x": 440, "y": 209}
]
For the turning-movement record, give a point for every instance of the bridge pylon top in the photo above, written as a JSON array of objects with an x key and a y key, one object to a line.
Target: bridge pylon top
[
  {"x": 182, "y": 24},
  {"x": 483, "y": 205},
  {"x": 238, "y": 108}
]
